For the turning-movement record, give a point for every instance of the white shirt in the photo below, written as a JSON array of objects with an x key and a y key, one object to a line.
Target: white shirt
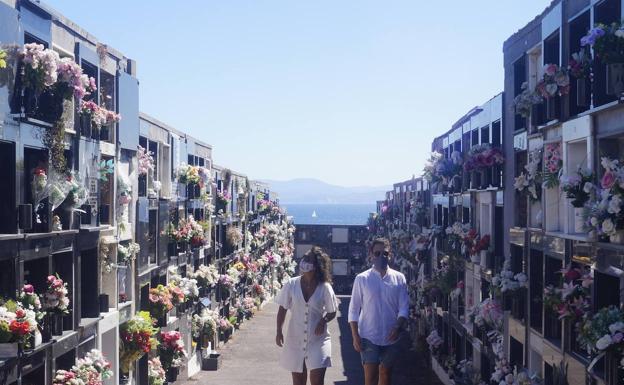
[
  {"x": 377, "y": 302},
  {"x": 301, "y": 343}
]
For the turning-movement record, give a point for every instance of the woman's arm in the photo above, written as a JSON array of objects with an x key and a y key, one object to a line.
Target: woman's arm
[{"x": 281, "y": 316}]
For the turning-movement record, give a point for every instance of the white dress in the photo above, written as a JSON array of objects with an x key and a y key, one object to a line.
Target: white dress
[{"x": 301, "y": 343}]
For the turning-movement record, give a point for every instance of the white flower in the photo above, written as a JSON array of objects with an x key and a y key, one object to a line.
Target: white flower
[
  {"x": 615, "y": 204},
  {"x": 609, "y": 164},
  {"x": 616, "y": 327},
  {"x": 588, "y": 187},
  {"x": 619, "y": 33},
  {"x": 594, "y": 221},
  {"x": 608, "y": 227},
  {"x": 604, "y": 342}
]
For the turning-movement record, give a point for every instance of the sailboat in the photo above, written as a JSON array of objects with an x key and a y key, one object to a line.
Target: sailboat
[{"x": 314, "y": 214}]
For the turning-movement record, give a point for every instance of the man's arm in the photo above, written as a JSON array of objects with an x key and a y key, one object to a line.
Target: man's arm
[
  {"x": 403, "y": 312},
  {"x": 355, "y": 306}
]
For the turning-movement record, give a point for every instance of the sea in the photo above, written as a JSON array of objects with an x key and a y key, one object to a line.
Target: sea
[{"x": 330, "y": 214}]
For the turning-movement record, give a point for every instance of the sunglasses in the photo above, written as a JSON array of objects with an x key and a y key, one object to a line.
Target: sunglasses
[{"x": 380, "y": 253}]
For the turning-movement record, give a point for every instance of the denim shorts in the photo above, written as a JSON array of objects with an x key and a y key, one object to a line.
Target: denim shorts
[{"x": 376, "y": 354}]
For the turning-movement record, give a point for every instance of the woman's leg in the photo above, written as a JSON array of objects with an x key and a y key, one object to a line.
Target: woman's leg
[
  {"x": 317, "y": 376},
  {"x": 300, "y": 378}
]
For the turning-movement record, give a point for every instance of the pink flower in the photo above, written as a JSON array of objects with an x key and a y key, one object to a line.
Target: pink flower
[
  {"x": 29, "y": 289},
  {"x": 608, "y": 180}
]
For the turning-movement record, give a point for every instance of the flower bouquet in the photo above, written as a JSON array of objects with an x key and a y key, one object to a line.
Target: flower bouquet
[
  {"x": 206, "y": 276},
  {"x": 155, "y": 373},
  {"x": 508, "y": 281},
  {"x": 525, "y": 100},
  {"x": 578, "y": 187},
  {"x": 530, "y": 183},
  {"x": 225, "y": 328},
  {"x": 488, "y": 315},
  {"x": 137, "y": 338},
  {"x": 553, "y": 162},
  {"x": 555, "y": 81},
  {"x": 171, "y": 350},
  {"x": 127, "y": 254},
  {"x": 145, "y": 161},
  {"x": 77, "y": 194},
  {"x": 161, "y": 301},
  {"x": 434, "y": 340},
  {"x": 188, "y": 174},
  {"x": 93, "y": 369},
  {"x": 226, "y": 283},
  {"x": 234, "y": 236},
  {"x": 66, "y": 377},
  {"x": 570, "y": 300},
  {"x": 16, "y": 324},
  {"x": 223, "y": 199},
  {"x": 55, "y": 299},
  {"x": 483, "y": 156},
  {"x": 603, "y": 333},
  {"x": 204, "y": 326},
  {"x": 177, "y": 295},
  {"x": 605, "y": 214},
  {"x": 3, "y": 59},
  {"x": 607, "y": 42}
]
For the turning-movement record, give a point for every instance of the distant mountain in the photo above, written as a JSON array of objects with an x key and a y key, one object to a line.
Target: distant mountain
[{"x": 314, "y": 191}]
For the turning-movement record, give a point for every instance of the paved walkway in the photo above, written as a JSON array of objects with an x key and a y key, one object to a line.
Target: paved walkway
[{"x": 252, "y": 357}]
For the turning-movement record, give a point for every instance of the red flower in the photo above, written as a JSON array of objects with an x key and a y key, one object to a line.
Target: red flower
[
  {"x": 19, "y": 313},
  {"x": 572, "y": 274},
  {"x": 19, "y": 328}
]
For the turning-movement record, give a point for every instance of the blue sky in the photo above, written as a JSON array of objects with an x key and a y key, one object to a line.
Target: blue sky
[{"x": 348, "y": 91}]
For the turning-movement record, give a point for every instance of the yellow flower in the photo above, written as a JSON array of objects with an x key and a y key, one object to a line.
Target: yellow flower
[{"x": 3, "y": 56}]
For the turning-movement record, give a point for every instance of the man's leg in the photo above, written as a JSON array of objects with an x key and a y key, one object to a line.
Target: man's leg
[
  {"x": 371, "y": 374},
  {"x": 385, "y": 375}
]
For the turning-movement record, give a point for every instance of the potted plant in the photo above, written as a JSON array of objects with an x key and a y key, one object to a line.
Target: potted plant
[
  {"x": 579, "y": 67},
  {"x": 608, "y": 45},
  {"x": 578, "y": 188}
]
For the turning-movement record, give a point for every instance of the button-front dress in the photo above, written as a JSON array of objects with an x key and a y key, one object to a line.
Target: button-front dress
[{"x": 301, "y": 343}]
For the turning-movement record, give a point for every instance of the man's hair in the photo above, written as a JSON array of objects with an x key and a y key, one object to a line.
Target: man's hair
[{"x": 380, "y": 241}]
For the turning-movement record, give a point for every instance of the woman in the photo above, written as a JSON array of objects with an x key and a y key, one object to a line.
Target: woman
[{"x": 312, "y": 303}]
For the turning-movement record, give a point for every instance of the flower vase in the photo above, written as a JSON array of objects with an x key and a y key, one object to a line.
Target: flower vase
[
  {"x": 617, "y": 237},
  {"x": 615, "y": 79},
  {"x": 8, "y": 350},
  {"x": 484, "y": 258},
  {"x": 581, "y": 92},
  {"x": 56, "y": 324},
  {"x": 579, "y": 220}
]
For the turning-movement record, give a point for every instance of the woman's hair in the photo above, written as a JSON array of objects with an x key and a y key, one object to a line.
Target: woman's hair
[{"x": 322, "y": 264}]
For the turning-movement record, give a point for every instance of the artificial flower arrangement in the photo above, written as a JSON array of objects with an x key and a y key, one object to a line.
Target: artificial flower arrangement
[
  {"x": 264, "y": 206},
  {"x": 92, "y": 369},
  {"x": 605, "y": 214},
  {"x": 77, "y": 194},
  {"x": 145, "y": 160},
  {"x": 571, "y": 298},
  {"x": 39, "y": 188},
  {"x": 555, "y": 81},
  {"x": 525, "y": 100},
  {"x": 483, "y": 156},
  {"x": 66, "y": 377},
  {"x": 98, "y": 115},
  {"x": 434, "y": 340},
  {"x": 137, "y": 339},
  {"x": 248, "y": 306},
  {"x": 185, "y": 286},
  {"x": 579, "y": 65},
  {"x": 578, "y": 187},
  {"x": 204, "y": 324},
  {"x": 161, "y": 301},
  {"x": 508, "y": 281},
  {"x": 234, "y": 236},
  {"x": 607, "y": 42},
  {"x": 127, "y": 254},
  {"x": 258, "y": 291},
  {"x": 156, "y": 375},
  {"x": 225, "y": 326},
  {"x": 603, "y": 332},
  {"x": 207, "y": 276},
  {"x": 272, "y": 258},
  {"x": 188, "y": 174},
  {"x": 177, "y": 295},
  {"x": 440, "y": 169},
  {"x": 55, "y": 299},
  {"x": 171, "y": 349},
  {"x": 223, "y": 198},
  {"x": 188, "y": 231},
  {"x": 106, "y": 168},
  {"x": 487, "y": 315},
  {"x": 531, "y": 182},
  {"x": 553, "y": 163},
  {"x": 16, "y": 323}
]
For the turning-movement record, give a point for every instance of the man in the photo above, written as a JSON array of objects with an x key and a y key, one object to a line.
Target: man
[{"x": 378, "y": 313}]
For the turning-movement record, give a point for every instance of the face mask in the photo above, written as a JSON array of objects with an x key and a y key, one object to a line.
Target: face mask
[
  {"x": 306, "y": 267},
  {"x": 380, "y": 263}
]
